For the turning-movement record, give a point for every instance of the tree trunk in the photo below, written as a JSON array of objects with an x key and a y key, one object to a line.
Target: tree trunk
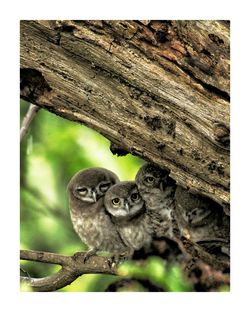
[{"x": 156, "y": 89}]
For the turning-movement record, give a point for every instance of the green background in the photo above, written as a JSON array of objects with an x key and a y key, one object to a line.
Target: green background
[{"x": 53, "y": 150}]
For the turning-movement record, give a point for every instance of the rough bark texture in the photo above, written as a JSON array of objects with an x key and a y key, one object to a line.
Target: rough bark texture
[
  {"x": 72, "y": 267},
  {"x": 156, "y": 89}
]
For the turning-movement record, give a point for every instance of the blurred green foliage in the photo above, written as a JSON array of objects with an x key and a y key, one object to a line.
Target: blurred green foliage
[
  {"x": 224, "y": 288},
  {"x": 169, "y": 278},
  {"x": 51, "y": 153},
  {"x": 53, "y": 150}
]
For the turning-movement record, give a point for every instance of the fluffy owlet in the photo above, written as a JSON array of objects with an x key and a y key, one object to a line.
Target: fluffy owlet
[
  {"x": 157, "y": 190},
  {"x": 127, "y": 210},
  {"x": 202, "y": 220},
  {"x": 91, "y": 222}
]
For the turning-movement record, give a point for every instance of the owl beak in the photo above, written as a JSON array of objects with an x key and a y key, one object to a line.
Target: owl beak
[
  {"x": 162, "y": 186},
  {"x": 126, "y": 205},
  {"x": 94, "y": 195}
]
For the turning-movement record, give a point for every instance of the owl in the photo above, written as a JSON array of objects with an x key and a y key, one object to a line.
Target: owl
[
  {"x": 202, "y": 220},
  {"x": 127, "y": 210},
  {"x": 157, "y": 189},
  {"x": 93, "y": 225}
]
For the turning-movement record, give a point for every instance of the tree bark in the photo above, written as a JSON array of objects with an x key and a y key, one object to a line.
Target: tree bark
[
  {"x": 156, "y": 89},
  {"x": 72, "y": 267}
]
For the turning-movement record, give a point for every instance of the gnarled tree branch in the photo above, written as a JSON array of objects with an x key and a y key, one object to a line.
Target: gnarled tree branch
[
  {"x": 159, "y": 90},
  {"x": 72, "y": 268}
]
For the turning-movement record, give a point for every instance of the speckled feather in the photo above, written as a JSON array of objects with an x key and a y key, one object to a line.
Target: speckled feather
[{"x": 136, "y": 233}]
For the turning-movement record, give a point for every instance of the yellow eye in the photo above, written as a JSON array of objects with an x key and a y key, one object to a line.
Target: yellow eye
[
  {"x": 149, "y": 180},
  {"x": 116, "y": 201},
  {"x": 135, "y": 196}
]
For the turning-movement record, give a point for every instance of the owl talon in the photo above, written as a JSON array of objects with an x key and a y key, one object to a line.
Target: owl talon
[
  {"x": 89, "y": 254},
  {"x": 118, "y": 259},
  {"x": 126, "y": 255},
  {"x": 113, "y": 261},
  {"x": 84, "y": 256},
  {"x": 78, "y": 256}
]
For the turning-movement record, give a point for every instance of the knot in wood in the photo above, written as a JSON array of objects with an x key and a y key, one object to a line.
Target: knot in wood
[
  {"x": 220, "y": 131},
  {"x": 222, "y": 135}
]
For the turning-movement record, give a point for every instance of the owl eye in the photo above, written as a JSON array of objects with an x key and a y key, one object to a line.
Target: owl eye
[
  {"x": 104, "y": 187},
  {"x": 82, "y": 190},
  {"x": 135, "y": 196},
  {"x": 149, "y": 180},
  {"x": 116, "y": 201}
]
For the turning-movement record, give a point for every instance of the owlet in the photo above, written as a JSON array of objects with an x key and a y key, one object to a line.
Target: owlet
[
  {"x": 127, "y": 210},
  {"x": 202, "y": 220},
  {"x": 157, "y": 189},
  {"x": 91, "y": 222}
]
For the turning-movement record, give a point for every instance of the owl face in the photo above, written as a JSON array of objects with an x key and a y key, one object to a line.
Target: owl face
[
  {"x": 196, "y": 215},
  {"x": 90, "y": 185},
  {"x": 152, "y": 178},
  {"x": 194, "y": 209},
  {"x": 123, "y": 200}
]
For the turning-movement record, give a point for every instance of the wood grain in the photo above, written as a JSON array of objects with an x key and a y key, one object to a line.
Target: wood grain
[{"x": 157, "y": 89}]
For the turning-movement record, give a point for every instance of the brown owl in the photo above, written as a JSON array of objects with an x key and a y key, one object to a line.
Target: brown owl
[
  {"x": 157, "y": 189},
  {"x": 202, "y": 220},
  {"x": 91, "y": 222},
  {"x": 127, "y": 210}
]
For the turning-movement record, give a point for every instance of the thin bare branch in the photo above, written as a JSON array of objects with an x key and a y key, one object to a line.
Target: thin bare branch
[
  {"x": 72, "y": 267},
  {"x": 33, "y": 109}
]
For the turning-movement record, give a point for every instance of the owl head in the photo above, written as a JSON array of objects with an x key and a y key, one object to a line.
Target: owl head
[
  {"x": 151, "y": 177},
  {"x": 195, "y": 209},
  {"x": 89, "y": 185},
  {"x": 123, "y": 200}
]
